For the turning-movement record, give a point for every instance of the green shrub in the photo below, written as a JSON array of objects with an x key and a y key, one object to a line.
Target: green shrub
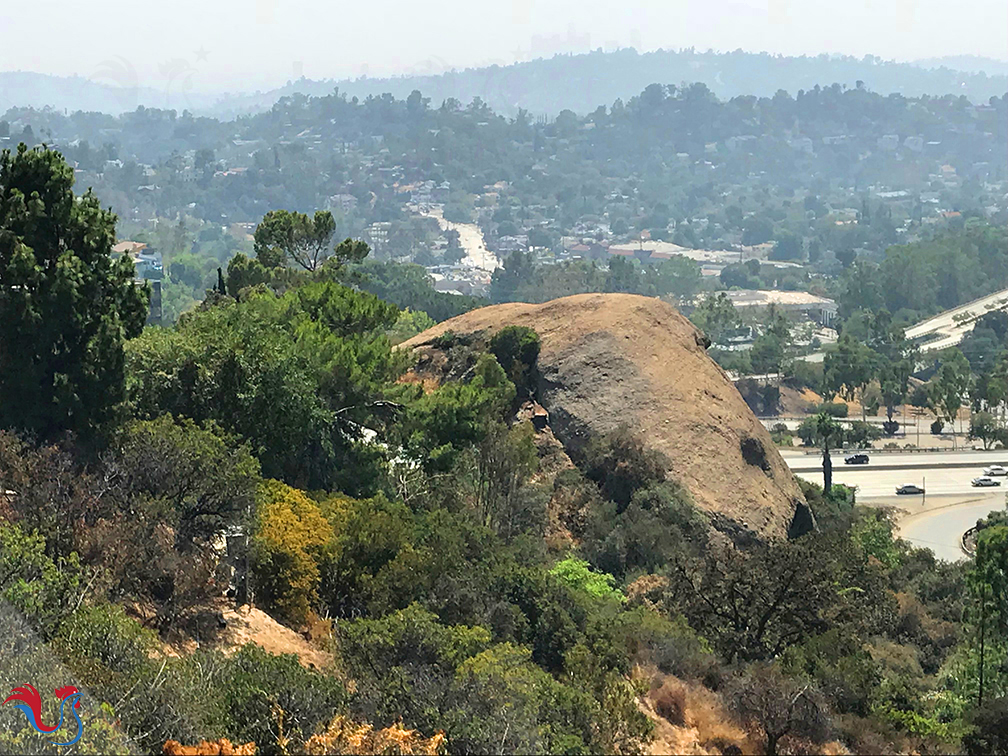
[
  {"x": 42, "y": 590},
  {"x": 517, "y": 350},
  {"x": 620, "y": 465},
  {"x": 578, "y": 575},
  {"x": 834, "y": 409},
  {"x": 256, "y": 686}
]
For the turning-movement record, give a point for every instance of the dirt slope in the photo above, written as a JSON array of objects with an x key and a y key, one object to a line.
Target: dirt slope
[{"x": 611, "y": 360}]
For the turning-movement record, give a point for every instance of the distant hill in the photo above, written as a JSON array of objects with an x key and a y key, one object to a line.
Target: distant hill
[
  {"x": 967, "y": 63},
  {"x": 23, "y": 89},
  {"x": 583, "y": 82},
  {"x": 545, "y": 86}
]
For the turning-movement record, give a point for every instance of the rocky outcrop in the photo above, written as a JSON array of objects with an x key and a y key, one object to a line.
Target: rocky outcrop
[{"x": 619, "y": 360}]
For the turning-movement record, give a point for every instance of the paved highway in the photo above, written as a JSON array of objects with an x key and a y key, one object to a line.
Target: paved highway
[
  {"x": 938, "y": 519},
  {"x": 874, "y": 484},
  {"x": 902, "y": 460}
]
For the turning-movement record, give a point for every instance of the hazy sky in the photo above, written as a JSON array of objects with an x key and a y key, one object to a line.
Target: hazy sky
[{"x": 258, "y": 44}]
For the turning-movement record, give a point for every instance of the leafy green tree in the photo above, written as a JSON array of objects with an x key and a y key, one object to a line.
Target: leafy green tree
[
  {"x": 767, "y": 354},
  {"x": 245, "y": 272},
  {"x": 753, "y": 604},
  {"x": 988, "y": 613},
  {"x": 440, "y": 425},
  {"x": 170, "y": 490},
  {"x": 506, "y": 459},
  {"x": 66, "y": 304},
  {"x": 410, "y": 287},
  {"x": 254, "y": 686},
  {"x": 715, "y": 316},
  {"x": 44, "y": 591},
  {"x": 894, "y": 378},
  {"x": 860, "y": 434},
  {"x": 624, "y": 276},
  {"x": 578, "y": 575},
  {"x": 848, "y": 368},
  {"x": 756, "y": 230},
  {"x": 298, "y": 376},
  {"x": 518, "y": 268},
  {"x": 742, "y": 275},
  {"x": 948, "y": 389},
  {"x": 409, "y": 324},
  {"x": 284, "y": 236},
  {"x": 678, "y": 277},
  {"x": 206, "y": 479},
  {"x": 787, "y": 247},
  {"x": 659, "y": 525},
  {"x": 405, "y": 664},
  {"x": 984, "y": 426}
]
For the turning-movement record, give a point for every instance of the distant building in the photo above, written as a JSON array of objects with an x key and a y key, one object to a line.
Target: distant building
[
  {"x": 888, "y": 142},
  {"x": 802, "y": 144},
  {"x": 146, "y": 262},
  {"x": 343, "y": 202},
  {"x": 735, "y": 142},
  {"x": 377, "y": 235},
  {"x": 793, "y": 303},
  {"x": 512, "y": 243}
]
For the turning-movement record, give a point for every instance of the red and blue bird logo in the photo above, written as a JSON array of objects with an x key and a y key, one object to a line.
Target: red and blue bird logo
[{"x": 30, "y": 702}]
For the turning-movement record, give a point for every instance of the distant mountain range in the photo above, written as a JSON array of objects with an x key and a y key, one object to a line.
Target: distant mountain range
[
  {"x": 968, "y": 63},
  {"x": 546, "y": 86}
]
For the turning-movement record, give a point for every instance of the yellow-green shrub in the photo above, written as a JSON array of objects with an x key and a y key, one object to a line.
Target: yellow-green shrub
[{"x": 290, "y": 537}]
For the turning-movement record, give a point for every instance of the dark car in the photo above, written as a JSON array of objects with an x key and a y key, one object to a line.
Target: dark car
[
  {"x": 856, "y": 459},
  {"x": 908, "y": 490}
]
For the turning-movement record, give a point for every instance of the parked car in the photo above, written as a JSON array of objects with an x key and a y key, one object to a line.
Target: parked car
[
  {"x": 909, "y": 490},
  {"x": 856, "y": 459},
  {"x": 985, "y": 480},
  {"x": 996, "y": 470}
]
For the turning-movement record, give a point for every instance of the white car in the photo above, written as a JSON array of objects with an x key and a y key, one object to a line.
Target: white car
[
  {"x": 985, "y": 481},
  {"x": 996, "y": 470}
]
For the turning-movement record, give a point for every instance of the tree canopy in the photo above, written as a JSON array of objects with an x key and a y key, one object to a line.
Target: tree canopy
[{"x": 67, "y": 304}]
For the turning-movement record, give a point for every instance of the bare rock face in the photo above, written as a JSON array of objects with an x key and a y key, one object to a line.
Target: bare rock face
[{"x": 620, "y": 360}]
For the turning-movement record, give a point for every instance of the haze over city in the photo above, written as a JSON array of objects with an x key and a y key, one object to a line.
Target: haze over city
[
  {"x": 504, "y": 377},
  {"x": 244, "y": 45}
]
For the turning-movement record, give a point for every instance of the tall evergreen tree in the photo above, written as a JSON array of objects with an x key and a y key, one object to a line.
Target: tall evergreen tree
[{"x": 66, "y": 304}]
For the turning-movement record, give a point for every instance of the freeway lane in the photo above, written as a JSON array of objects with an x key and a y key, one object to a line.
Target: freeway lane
[
  {"x": 935, "y": 521},
  {"x": 872, "y": 484},
  {"x": 902, "y": 460}
]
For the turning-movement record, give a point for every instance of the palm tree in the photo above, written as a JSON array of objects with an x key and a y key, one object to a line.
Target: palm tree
[{"x": 828, "y": 431}]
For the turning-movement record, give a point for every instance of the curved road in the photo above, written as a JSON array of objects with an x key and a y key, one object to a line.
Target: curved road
[
  {"x": 935, "y": 521},
  {"x": 934, "y": 529}
]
